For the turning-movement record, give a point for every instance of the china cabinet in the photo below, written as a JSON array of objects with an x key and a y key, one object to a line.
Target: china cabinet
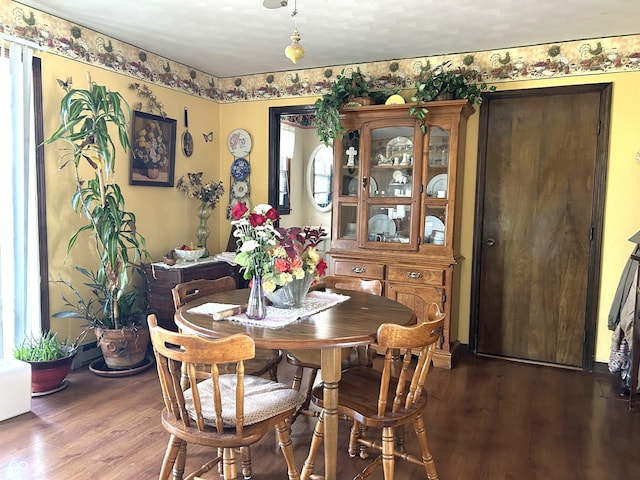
[{"x": 396, "y": 205}]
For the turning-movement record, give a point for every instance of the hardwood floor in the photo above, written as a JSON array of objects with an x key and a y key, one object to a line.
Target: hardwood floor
[{"x": 488, "y": 419}]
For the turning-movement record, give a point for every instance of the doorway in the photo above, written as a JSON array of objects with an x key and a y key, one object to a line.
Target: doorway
[{"x": 537, "y": 242}]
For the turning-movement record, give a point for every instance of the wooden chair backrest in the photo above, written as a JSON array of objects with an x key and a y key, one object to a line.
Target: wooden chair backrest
[
  {"x": 423, "y": 337},
  {"x": 373, "y": 287},
  {"x": 188, "y": 291},
  {"x": 178, "y": 352}
]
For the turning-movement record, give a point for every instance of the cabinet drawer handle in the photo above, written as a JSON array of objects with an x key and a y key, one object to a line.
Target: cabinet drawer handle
[
  {"x": 358, "y": 269},
  {"x": 414, "y": 275}
]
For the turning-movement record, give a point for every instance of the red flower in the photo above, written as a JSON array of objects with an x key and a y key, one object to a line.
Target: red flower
[
  {"x": 272, "y": 214},
  {"x": 256, "y": 220},
  {"x": 321, "y": 267},
  {"x": 239, "y": 209}
]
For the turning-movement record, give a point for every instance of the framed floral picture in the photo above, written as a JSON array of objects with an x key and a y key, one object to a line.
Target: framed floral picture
[{"x": 153, "y": 150}]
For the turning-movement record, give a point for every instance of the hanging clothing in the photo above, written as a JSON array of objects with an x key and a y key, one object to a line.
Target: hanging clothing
[
  {"x": 624, "y": 286},
  {"x": 621, "y": 318}
]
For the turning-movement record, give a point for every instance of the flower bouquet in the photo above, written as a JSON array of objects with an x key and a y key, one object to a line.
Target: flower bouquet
[{"x": 281, "y": 259}]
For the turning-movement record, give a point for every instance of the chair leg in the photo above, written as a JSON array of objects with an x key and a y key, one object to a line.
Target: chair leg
[
  {"x": 399, "y": 434},
  {"x": 369, "y": 469},
  {"x": 388, "y": 458},
  {"x": 170, "y": 455},
  {"x": 296, "y": 385},
  {"x": 220, "y": 466},
  {"x": 229, "y": 467},
  {"x": 364, "y": 450},
  {"x": 427, "y": 458},
  {"x": 297, "y": 378},
  {"x": 316, "y": 441},
  {"x": 282, "y": 431},
  {"x": 181, "y": 461},
  {"x": 313, "y": 373},
  {"x": 245, "y": 455},
  {"x": 353, "y": 439}
]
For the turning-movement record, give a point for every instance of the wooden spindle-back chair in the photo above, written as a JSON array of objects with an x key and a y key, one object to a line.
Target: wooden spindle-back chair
[
  {"x": 224, "y": 411},
  {"x": 377, "y": 400}
]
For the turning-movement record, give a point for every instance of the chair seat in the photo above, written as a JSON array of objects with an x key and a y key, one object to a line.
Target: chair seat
[
  {"x": 357, "y": 402},
  {"x": 263, "y": 399}
]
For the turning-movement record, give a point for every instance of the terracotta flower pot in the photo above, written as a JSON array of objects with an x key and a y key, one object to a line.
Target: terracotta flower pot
[
  {"x": 48, "y": 375},
  {"x": 123, "y": 348}
]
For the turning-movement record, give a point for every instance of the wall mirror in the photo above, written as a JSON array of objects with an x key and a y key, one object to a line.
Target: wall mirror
[
  {"x": 291, "y": 132},
  {"x": 300, "y": 170}
]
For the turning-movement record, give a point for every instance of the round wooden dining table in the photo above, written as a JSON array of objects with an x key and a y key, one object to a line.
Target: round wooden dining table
[{"x": 350, "y": 323}]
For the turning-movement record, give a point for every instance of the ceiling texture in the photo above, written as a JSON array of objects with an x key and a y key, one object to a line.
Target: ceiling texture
[{"x": 228, "y": 38}]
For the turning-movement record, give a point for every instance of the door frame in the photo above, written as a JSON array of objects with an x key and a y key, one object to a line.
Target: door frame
[{"x": 597, "y": 211}]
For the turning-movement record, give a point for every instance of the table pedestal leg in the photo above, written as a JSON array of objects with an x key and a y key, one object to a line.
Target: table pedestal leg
[{"x": 331, "y": 377}]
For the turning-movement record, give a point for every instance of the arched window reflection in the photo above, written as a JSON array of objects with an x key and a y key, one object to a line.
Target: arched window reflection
[{"x": 320, "y": 177}]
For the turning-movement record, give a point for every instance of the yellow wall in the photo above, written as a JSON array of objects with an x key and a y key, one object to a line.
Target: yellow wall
[{"x": 167, "y": 217}]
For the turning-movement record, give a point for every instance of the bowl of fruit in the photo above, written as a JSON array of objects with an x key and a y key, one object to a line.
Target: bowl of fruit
[{"x": 188, "y": 253}]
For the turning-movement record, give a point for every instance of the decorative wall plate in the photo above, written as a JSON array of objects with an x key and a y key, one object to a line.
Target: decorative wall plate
[
  {"x": 239, "y": 189},
  {"x": 239, "y": 143},
  {"x": 187, "y": 139},
  {"x": 187, "y": 144},
  {"x": 240, "y": 169}
]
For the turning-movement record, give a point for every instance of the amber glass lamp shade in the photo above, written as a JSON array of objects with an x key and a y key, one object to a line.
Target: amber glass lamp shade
[{"x": 295, "y": 51}]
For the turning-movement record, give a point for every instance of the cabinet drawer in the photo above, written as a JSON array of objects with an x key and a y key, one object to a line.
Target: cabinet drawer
[
  {"x": 415, "y": 274},
  {"x": 354, "y": 268}
]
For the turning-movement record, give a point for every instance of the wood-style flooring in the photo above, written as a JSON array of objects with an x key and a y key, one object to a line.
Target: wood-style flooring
[{"x": 488, "y": 419}]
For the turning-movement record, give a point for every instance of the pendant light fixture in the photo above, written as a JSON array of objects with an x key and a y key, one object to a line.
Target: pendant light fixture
[{"x": 294, "y": 51}]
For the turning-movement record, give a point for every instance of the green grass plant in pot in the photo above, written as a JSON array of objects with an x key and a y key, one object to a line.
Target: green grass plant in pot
[
  {"x": 50, "y": 360},
  {"x": 87, "y": 118}
]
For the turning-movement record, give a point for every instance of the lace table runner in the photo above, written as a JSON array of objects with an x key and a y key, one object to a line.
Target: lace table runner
[{"x": 313, "y": 303}]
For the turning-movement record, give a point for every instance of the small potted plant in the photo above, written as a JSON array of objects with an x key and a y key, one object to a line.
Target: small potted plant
[
  {"x": 50, "y": 360},
  {"x": 352, "y": 90},
  {"x": 443, "y": 83}
]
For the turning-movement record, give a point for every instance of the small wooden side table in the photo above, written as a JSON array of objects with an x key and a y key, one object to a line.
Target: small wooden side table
[{"x": 161, "y": 278}]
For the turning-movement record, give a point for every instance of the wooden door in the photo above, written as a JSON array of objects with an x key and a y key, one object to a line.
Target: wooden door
[{"x": 537, "y": 249}]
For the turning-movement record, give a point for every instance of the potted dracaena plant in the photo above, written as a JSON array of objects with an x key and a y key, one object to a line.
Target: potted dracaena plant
[{"x": 86, "y": 117}]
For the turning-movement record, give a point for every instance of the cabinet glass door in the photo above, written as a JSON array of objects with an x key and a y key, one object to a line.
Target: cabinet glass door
[
  {"x": 437, "y": 187},
  {"x": 389, "y": 223},
  {"x": 350, "y": 164},
  {"x": 391, "y": 171},
  {"x": 392, "y": 158},
  {"x": 348, "y": 221}
]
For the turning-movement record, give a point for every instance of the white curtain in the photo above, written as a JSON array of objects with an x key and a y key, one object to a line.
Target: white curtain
[{"x": 19, "y": 259}]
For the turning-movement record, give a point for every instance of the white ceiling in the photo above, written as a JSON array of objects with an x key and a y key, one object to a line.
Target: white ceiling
[{"x": 240, "y": 37}]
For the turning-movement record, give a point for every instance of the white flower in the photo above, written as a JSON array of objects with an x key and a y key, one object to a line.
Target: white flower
[{"x": 249, "y": 246}]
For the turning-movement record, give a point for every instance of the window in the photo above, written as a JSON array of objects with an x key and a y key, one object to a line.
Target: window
[{"x": 24, "y": 306}]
